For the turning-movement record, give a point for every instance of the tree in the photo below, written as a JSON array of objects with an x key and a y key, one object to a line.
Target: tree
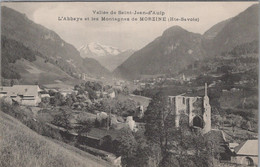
[
  {"x": 83, "y": 127},
  {"x": 107, "y": 143},
  {"x": 246, "y": 125},
  {"x": 143, "y": 150},
  {"x": 180, "y": 146},
  {"x": 142, "y": 156},
  {"x": 125, "y": 90},
  {"x": 62, "y": 120},
  {"x": 58, "y": 99},
  {"x": 235, "y": 121},
  {"x": 224, "y": 69},
  {"x": 12, "y": 82},
  {"x": 69, "y": 101},
  {"x": 133, "y": 148},
  {"x": 127, "y": 147},
  {"x": 159, "y": 123},
  {"x": 5, "y": 82},
  {"x": 92, "y": 95},
  {"x": 93, "y": 86}
]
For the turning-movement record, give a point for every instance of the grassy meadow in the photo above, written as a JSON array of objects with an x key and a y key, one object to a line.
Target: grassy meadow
[{"x": 22, "y": 147}]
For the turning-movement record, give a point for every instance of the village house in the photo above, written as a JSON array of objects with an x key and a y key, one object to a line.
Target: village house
[
  {"x": 51, "y": 90},
  {"x": 196, "y": 108},
  {"x": 120, "y": 83},
  {"x": 45, "y": 98},
  {"x": 105, "y": 94},
  {"x": 115, "y": 122},
  {"x": 84, "y": 76},
  {"x": 136, "y": 82},
  {"x": 66, "y": 92},
  {"x": 142, "y": 85},
  {"x": 139, "y": 112},
  {"x": 131, "y": 123},
  {"x": 45, "y": 95},
  {"x": 82, "y": 97},
  {"x": 86, "y": 93},
  {"x": 246, "y": 153},
  {"x": 22, "y": 94},
  {"x": 110, "y": 94},
  {"x": 98, "y": 93},
  {"x": 4, "y": 91}
]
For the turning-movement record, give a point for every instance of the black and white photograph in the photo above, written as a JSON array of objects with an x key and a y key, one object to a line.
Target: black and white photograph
[{"x": 129, "y": 84}]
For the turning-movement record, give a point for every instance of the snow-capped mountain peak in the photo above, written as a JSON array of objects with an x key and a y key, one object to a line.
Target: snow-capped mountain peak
[{"x": 96, "y": 49}]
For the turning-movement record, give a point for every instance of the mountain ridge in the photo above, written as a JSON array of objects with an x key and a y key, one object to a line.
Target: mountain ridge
[
  {"x": 161, "y": 55},
  {"x": 108, "y": 56},
  {"x": 54, "y": 49},
  {"x": 177, "y": 48},
  {"x": 95, "y": 49},
  {"x": 213, "y": 31},
  {"x": 240, "y": 29}
]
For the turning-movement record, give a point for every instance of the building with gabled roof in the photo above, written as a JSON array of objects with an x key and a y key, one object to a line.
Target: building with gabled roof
[
  {"x": 246, "y": 153},
  {"x": 67, "y": 91},
  {"x": 22, "y": 94},
  {"x": 4, "y": 90}
]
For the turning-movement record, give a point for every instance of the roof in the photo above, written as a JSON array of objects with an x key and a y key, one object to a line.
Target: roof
[
  {"x": 233, "y": 145},
  {"x": 66, "y": 90},
  {"x": 100, "y": 133},
  {"x": 54, "y": 90},
  {"x": 216, "y": 136},
  {"x": 249, "y": 147},
  {"x": 4, "y": 88},
  {"x": 218, "y": 139},
  {"x": 25, "y": 90},
  {"x": 110, "y": 91},
  {"x": 45, "y": 95}
]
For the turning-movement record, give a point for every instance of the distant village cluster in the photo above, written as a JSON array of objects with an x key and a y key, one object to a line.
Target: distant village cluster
[
  {"x": 36, "y": 98},
  {"x": 32, "y": 95},
  {"x": 152, "y": 82}
]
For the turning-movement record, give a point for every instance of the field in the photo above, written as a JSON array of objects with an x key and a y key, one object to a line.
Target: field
[
  {"x": 236, "y": 99},
  {"x": 40, "y": 71},
  {"x": 22, "y": 147},
  {"x": 43, "y": 73}
]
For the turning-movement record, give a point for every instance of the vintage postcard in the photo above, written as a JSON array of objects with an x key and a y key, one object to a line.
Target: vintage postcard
[{"x": 129, "y": 84}]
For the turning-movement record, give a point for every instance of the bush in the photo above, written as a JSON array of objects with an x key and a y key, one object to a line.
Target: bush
[
  {"x": 107, "y": 143},
  {"x": 247, "y": 115},
  {"x": 38, "y": 126},
  {"x": 42, "y": 129}
]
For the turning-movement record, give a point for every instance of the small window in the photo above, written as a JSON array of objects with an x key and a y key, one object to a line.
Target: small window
[
  {"x": 183, "y": 100},
  {"x": 248, "y": 161}
]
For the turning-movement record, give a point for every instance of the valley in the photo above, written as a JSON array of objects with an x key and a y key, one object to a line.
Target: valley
[{"x": 184, "y": 99}]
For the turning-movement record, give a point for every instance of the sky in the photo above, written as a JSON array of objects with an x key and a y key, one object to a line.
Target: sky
[{"x": 128, "y": 34}]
